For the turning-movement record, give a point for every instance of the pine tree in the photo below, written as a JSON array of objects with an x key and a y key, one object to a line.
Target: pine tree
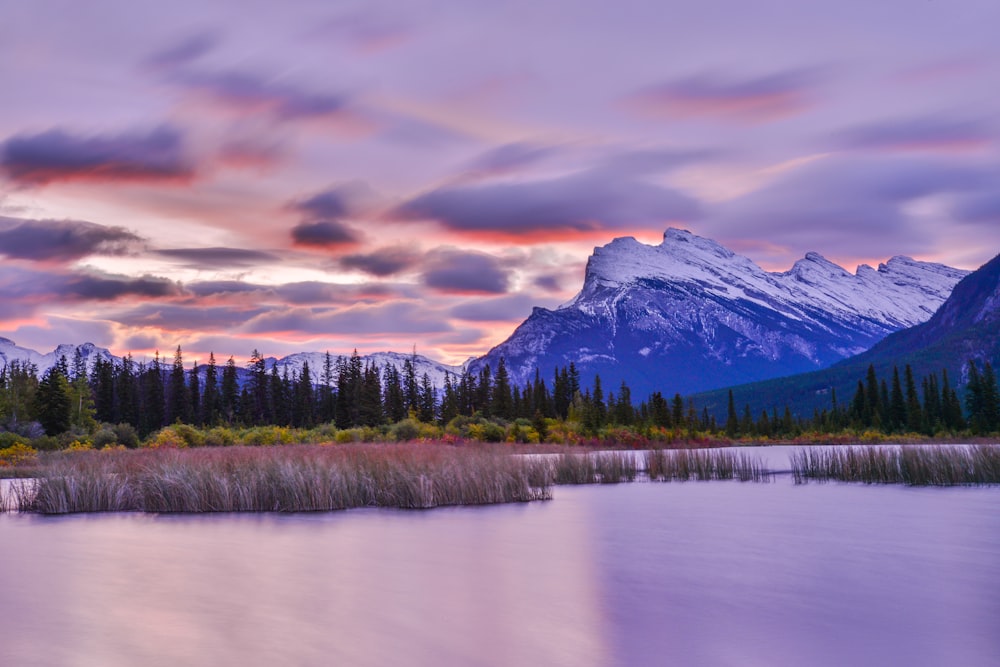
[
  {"x": 210, "y": 403},
  {"x": 914, "y": 414},
  {"x": 178, "y": 401},
  {"x": 229, "y": 393},
  {"x": 501, "y": 402},
  {"x": 897, "y": 417},
  {"x": 327, "y": 404},
  {"x": 194, "y": 396},
  {"x": 53, "y": 401},
  {"x": 732, "y": 422}
]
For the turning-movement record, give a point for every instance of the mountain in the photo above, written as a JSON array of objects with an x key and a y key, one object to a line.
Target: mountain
[
  {"x": 9, "y": 352},
  {"x": 690, "y": 315},
  {"x": 435, "y": 371},
  {"x": 966, "y": 326}
]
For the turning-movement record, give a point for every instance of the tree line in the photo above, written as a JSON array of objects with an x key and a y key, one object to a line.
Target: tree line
[{"x": 351, "y": 392}]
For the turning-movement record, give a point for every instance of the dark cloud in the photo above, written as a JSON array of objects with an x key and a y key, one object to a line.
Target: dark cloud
[
  {"x": 305, "y": 292},
  {"x": 926, "y": 133},
  {"x": 184, "y": 51},
  {"x": 323, "y": 234},
  {"x": 979, "y": 208},
  {"x": 61, "y": 240},
  {"x": 157, "y": 155},
  {"x": 245, "y": 92},
  {"x": 831, "y": 203},
  {"x": 108, "y": 288},
  {"x": 501, "y": 309},
  {"x": 382, "y": 261},
  {"x": 187, "y": 317},
  {"x": 586, "y": 201},
  {"x": 655, "y": 160},
  {"x": 511, "y": 157},
  {"x": 757, "y": 99},
  {"x": 549, "y": 283},
  {"x": 462, "y": 272},
  {"x": 332, "y": 203},
  {"x": 207, "y": 258},
  {"x": 386, "y": 318}
]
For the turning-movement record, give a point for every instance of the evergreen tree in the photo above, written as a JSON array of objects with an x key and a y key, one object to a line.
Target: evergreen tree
[
  {"x": 178, "y": 400},
  {"x": 53, "y": 401},
  {"x": 428, "y": 399},
  {"x": 194, "y": 396},
  {"x": 327, "y": 404},
  {"x": 914, "y": 414},
  {"x": 102, "y": 380},
  {"x": 153, "y": 408},
  {"x": 17, "y": 400},
  {"x": 501, "y": 402},
  {"x": 304, "y": 404},
  {"x": 210, "y": 398},
  {"x": 229, "y": 393},
  {"x": 897, "y": 417},
  {"x": 732, "y": 422}
]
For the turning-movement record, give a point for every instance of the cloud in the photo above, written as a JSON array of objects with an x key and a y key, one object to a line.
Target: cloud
[
  {"x": 830, "y": 204},
  {"x": 332, "y": 203},
  {"x": 464, "y": 272},
  {"x": 743, "y": 100},
  {"x": 979, "y": 208},
  {"x": 111, "y": 287},
  {"x": 304, "y": 292},
  {"x": 924, "y": 133},
  {"x": 244, "y": 92},
  {"x": 387, "y": 318},
  {"x": 184, "y": 51},
  {"x": 207, "y": 258},
  {"x": 511, "y": 157},
  {"x": 549, "y": 283},
  {"x": 501, "y": 309},
  {"x": 323, "y": 234},
  {"x": 581, "y": 202},
  {"x": 61, "y": 240},
  {"x": 55, "y": 155},
  {"x": 381, "y": 262}
]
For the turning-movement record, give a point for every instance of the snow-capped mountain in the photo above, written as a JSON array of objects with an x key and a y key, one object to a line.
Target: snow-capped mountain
[
  {"x": 10, "y": 352},
  {"x": 689, "y": 315},
  {"x": 435, "y": 370}
]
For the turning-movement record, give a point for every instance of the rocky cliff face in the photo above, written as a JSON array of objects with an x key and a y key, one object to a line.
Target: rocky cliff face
[{"x": 689, "y": 315}]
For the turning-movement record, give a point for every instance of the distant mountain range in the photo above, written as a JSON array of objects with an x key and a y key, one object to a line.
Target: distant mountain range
[
  {"x": 690, "y": 315},
  {"x": 966, "y": 327}
]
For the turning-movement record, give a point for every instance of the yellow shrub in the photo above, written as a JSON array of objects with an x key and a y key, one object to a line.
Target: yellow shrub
[{"x": 17, "y": 455}]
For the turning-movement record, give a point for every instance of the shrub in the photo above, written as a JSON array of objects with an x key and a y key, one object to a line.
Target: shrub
[
  {"x": 18, "y": 454},
  {"x": 126, "y": 435},
  {"x": 407, "y": 429},
  {"x": 219, "y": 436},
  {"x": 104, "y": 437}
]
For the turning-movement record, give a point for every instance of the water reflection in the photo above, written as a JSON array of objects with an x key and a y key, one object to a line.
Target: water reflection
[{"x": 644, "y": 574}]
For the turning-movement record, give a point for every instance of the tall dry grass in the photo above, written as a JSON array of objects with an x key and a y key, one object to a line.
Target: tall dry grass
[
  {"x": 915, "y": 466},
  {"x": 705, "y": 464},
  {"x": 291, "y": 479}
]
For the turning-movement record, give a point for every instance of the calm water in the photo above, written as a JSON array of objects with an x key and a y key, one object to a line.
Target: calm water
[{"x": 716, "y": 573}]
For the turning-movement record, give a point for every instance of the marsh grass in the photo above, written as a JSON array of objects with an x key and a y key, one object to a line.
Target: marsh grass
[
  {"x": 593, "y": 468},
  {"x": 705, "y": 464},
  {"x": 290, "y": 479},
  {"x": 914, "y": 466}
]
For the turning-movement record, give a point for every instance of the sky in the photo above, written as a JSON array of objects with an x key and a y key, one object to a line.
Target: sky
[{"x": 419, "y": 174}]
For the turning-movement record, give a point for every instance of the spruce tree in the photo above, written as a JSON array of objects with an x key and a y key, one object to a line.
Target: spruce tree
[{"x": 53, "y": 401}]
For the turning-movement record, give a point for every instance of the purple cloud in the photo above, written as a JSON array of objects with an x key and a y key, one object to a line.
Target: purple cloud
[
  {"x": 464, "y": 272},
  {"x": 387, "y": 318},
  {"x": 184, "y": 51},
  {"x": 323, "y": 234},
  {"x": 247, "y": 92},
  {"x": 584, "y": 201},
  {"x": 108, "y": 287},
  {"x": 218, "y": 257},
  {"x": 381, "y": 262},
  {"x": 747, "y": 100},
  {"x": 500, "y": 309},
  {"x": 924, "y": 133},
  {"x": 61, "y": 240},
  {"x": 511, "y": 157},
  {"x": 157, "y": 155},
  {"x": 332, "y": 203}
]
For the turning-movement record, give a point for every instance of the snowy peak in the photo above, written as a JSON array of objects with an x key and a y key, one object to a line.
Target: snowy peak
[{"x": 902, "y": 292}]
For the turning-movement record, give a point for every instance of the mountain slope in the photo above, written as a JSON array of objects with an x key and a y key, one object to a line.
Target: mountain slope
[
  {"x": 689, "y": 315},
  {"x": 966, "y": 326}
]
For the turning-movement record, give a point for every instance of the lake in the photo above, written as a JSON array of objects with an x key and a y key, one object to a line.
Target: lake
[{"x": 695, "y": 573}]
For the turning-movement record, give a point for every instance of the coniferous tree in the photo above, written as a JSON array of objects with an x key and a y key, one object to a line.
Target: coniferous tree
[
  {"x": 229, "y": 393},
  {"x": 194, "y": 396},
  {"x": 501, "y": 403},
  {"x": 178, "y": 400},
  {"x": 20, "y": 384},
  {"x": 897, "y": 416},
  {"x": 327, "y": 403},
  {"x": 732, "y": 422},
  {"x": 395, "y": 401},
  {"x": 102, "y": 380},
  {"x": 210, "y": 400},
  {"x": 428, "y": 399},
  {"x": 914, "y": 414},
  {"x": 153, "y": 397},
  {"x": 304, "y": 403},
  {"x": 53, "y": 401},
  {"x": 127, "y": 392},
  {"x": 991, "y": 400}
]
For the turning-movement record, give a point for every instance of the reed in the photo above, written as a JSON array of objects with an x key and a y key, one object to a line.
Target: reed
[
  {"x": 290, "y": 479},
  {"x": 705, "y": 464},
  {"x": 914, "y": 466}
]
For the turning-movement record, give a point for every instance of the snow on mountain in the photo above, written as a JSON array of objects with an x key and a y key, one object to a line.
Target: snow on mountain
[
  {"x": 435, "y": 370},
  {"x": 10, "y": 352},
  {"x": 690, "y": 314}
]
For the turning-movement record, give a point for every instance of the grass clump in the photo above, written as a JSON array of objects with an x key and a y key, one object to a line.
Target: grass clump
[
  {"x": 914, "y": 466},
  {"x": 287, "y": 479},
  {"x": 705, "y": 464}
]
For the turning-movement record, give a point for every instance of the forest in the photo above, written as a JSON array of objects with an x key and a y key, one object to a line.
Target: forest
[{"x": 125, "y": 403}]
